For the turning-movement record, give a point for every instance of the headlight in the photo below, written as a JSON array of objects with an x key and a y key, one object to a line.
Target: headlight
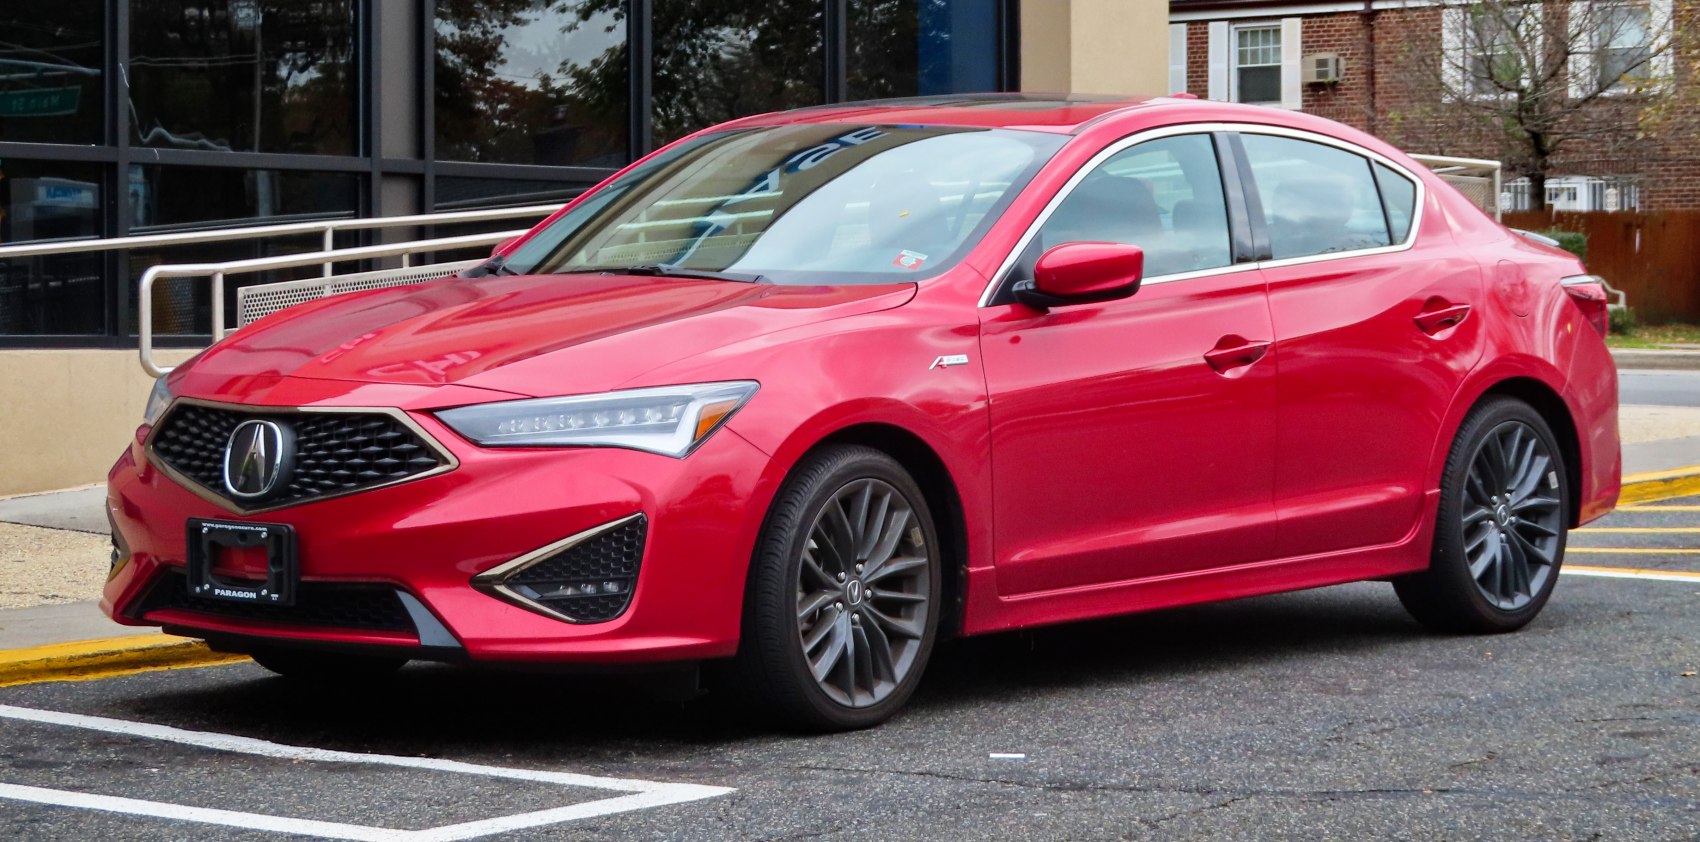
[
  {"x": 670, "y": 420},
  {"x": 158, "y": 400}
]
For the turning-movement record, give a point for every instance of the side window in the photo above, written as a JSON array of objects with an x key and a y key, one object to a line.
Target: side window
[
  {"x": 1316, "y": 199},
  {"x": 1164, "y": 196},
  {"x": 1399, "y": 196}
]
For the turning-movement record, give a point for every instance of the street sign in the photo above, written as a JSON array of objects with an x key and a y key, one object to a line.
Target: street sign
[{"x": 40, "y": 102}]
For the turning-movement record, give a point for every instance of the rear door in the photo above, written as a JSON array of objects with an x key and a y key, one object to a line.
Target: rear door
[
  {"x": 1135, "y": 438},
  {"x": 1377, "y": 324}
]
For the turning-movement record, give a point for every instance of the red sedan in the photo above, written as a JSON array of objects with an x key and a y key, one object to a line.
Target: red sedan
[{"x": 801, "y": 393}]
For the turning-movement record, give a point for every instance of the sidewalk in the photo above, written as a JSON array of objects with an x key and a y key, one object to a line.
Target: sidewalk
[{"x": 54, "y": 553}]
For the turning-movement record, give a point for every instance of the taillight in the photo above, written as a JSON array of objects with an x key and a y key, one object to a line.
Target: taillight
[{"x": 1589, "y": 293}]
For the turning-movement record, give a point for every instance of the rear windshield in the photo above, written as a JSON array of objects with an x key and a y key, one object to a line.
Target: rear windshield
[{"x": 799, "y": 204}]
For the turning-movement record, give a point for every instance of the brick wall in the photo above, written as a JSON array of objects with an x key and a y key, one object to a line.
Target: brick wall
[{"x": 1409, "y": 111}]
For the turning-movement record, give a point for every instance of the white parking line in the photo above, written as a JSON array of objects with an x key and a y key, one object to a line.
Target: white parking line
[
  {"x": 640, "y": 794},
  {"x": 1631, "y": 573}
]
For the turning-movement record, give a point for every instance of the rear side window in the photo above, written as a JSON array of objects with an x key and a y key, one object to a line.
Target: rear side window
[
  {"x": 1399, "y": 196},
  {"x": 1316, "y": 199},
  {"x": 1164, "y": 196}
]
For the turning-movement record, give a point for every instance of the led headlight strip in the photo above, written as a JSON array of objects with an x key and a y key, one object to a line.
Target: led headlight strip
[{"x": 670, "y": 420}]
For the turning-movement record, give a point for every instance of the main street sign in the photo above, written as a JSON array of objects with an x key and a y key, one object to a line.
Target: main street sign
[{"x": 40, "y": 102}]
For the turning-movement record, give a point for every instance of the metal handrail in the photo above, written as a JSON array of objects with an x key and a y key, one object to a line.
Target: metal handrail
[
  {"x": 327, "y": 228},
  {"x": 1447, "y": 165},
  {"x": 217, "y": 272}
]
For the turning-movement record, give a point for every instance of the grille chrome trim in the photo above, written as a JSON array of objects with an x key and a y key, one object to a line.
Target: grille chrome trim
[
  {"x": 447, "y": 457},
  {"x": 494, "y": 581}
]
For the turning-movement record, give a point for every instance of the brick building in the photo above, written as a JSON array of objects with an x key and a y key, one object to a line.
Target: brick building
[{"x": 1418, "y": 73}]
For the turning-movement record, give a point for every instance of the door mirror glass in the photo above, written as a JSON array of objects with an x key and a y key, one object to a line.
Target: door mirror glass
[{"x": 1083, "y": 273}]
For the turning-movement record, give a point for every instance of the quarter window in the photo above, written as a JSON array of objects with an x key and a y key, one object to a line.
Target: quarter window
[
  {"x": 1164, "y": 196},
  {"x": 1399, "y": 198},
  {"x": 1316, "y": 199},
  {"x": 1257, "y": 64}
]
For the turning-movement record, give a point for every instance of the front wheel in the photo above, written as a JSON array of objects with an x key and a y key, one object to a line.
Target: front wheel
[
  {"x": 1500, "y": 532},
  {"x": 843, "y": 604}
]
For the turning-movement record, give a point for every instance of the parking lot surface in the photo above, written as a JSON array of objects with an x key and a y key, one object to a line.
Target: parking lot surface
[{"x": 1324, "y": 714}]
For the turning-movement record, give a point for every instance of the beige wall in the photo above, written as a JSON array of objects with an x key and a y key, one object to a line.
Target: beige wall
[
  {"x": 65, "y": 415},
  {"x": 1095, "y": 46}
]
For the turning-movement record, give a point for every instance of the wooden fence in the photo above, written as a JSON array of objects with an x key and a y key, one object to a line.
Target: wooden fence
[{"x": 1653, "y": 257}]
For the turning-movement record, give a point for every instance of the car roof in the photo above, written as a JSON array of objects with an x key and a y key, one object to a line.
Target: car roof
[{"x": 1045, "y": 112}]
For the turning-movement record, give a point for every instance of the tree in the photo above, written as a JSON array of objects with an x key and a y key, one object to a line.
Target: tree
[{"x": 1533, "y": 79}]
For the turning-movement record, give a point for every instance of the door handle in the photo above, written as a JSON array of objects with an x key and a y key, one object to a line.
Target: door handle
[
  {"x": 1232, "y": 352},
  {"x": 1439, "y": 314}
]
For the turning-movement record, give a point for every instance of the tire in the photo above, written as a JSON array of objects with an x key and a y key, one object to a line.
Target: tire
[
  {"x": 810, "y": 607},
  {"x": 307, "y": 665},
  {"x": 1497, "y": 552}
]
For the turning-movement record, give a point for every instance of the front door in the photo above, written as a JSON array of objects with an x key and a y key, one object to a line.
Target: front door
[{"x": 1135, "y": 438}]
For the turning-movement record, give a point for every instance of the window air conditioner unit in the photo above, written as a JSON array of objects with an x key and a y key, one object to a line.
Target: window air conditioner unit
[{"x": 1322, "y": 68}]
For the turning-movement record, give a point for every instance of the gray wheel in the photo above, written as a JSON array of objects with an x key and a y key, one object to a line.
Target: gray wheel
[
  {"x": 864, "y": 595},
  {"x": 844, "y": 588},
  {"x": 1511, "y": 518},
  {"x": 1501, "y": 526}
]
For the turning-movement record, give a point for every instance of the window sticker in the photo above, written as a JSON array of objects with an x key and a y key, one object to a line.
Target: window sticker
[{"x": 910, "y": 260}]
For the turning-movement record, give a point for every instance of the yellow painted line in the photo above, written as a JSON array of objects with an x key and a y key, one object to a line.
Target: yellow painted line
[
  {"x": 1659, "y": 508},
  {"x": 85, "y": 660},
  {"x": 1660, "y": 485},
  {"x": 1631, "y": 573},
  {"x": 1630, "y": 551},
  {"x": 1638, "y": 530}
]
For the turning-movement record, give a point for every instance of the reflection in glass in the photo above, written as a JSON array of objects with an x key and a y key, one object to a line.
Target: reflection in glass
[
  {"x": 161, "y": 195},
  {"x": 244, "y": 75},
  {"x": 458, "y": 193},
  {"x": 50, "y": 200},
  {"x": 51, "y": 60},
  {"x": 532, "y": 82},
  {"x": 920, "y": 47},
  {"x": 720, "y": 59}
]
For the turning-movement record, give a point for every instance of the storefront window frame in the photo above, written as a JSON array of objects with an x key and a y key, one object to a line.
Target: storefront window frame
[{"x": 118, "y": 152}]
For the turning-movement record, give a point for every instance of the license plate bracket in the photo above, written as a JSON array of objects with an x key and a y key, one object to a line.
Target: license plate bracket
[{"x": 283, "y": 575}]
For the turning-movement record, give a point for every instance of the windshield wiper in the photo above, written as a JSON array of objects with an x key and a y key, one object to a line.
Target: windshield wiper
[
  {"x": 497, "y": 265},
  {"x": 662, "y": 270}
]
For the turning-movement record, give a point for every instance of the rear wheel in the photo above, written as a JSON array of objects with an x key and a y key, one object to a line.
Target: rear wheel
[
  {"x": 1503, "y": 520},
  {"x": 843, "y": 606},
  {"x": 325, "y": 666}
]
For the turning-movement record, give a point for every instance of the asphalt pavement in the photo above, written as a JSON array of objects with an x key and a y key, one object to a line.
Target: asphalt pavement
[
  {"x": 1658, "y": 388},
  {"x": 1324, "y": 714}
]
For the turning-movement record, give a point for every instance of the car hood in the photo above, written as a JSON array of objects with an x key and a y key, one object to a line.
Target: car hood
[{"x": 526, "y": 335}]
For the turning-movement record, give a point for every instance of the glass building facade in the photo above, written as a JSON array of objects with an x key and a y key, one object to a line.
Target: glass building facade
[{"x": 142, "y": 116}]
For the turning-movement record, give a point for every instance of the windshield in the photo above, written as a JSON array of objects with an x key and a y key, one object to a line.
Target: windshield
[{"x": 798, "y": 204}]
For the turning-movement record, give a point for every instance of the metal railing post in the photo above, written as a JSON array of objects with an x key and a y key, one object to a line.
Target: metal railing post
[
  {"x": 217, "y": 306},
  {"x": 330, "y": 244}
]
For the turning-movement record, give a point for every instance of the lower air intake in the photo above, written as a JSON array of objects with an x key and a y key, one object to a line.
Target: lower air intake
[{"x": 589, "y": 578}]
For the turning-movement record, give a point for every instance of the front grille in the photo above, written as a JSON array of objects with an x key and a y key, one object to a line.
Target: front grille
[
  {"x": 335, "y": 452},
  {"x": 589, "y": 582},
  {"x": 363, "y": 607}
]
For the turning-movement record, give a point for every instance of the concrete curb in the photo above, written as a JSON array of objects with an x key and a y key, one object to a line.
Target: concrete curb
[
  {"x": 88, "y": 659},
  {"x": 1660, "y": 485},
  {"x": 1656, "y": 358}
]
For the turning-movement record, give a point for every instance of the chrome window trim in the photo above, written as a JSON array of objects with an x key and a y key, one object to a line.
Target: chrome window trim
[
  {"x": 192, "y": 486},
  {"x": 1132, "y": 140}
]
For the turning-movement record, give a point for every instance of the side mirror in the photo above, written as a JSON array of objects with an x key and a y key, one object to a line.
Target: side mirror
[{"x": 1083, "y": 273}]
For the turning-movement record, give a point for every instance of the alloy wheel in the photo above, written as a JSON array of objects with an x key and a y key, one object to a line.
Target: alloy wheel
[
  {"x": 863, "y": 592},
  {"x": 1512, "y": 517}
]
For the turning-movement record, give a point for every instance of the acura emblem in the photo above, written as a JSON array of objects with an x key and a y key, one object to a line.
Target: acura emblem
[{"x": 257, "y": 456}]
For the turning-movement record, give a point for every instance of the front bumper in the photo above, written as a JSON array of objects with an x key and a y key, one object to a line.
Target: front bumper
[{"x": 429, "y": 538}]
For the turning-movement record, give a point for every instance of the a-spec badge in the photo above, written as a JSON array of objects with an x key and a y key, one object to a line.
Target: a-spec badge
[{"x": 949, "y": 360}]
